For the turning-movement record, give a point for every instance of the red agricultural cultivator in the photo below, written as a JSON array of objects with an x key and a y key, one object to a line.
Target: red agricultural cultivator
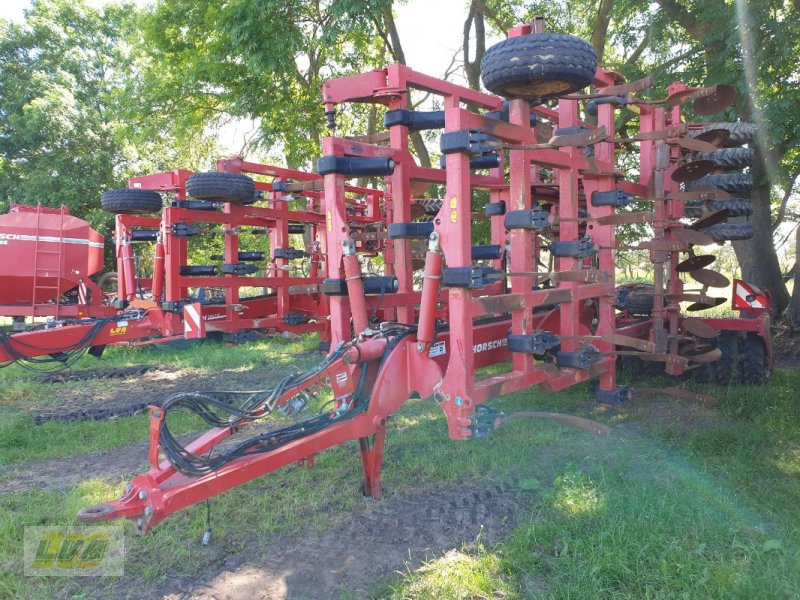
[
  {"x": 156, "y": 295},
  {"x": 539, "y": 297}
]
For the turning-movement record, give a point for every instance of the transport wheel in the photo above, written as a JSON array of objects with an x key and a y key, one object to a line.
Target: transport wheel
[
  {"x": 538, "y": 66},
  {"x": 736, "y": 207},
  {"x": 735, "y": 183},
  {"x": 754, "y": 360},
  {"x": 729, "y": 158},
  {"x": 222, "y": 187},
  {"x": 740, "y": 133},
  {"x": 728, "y": 342},
  {"x": 130, "y": 201},
  {"x": 726, "y": 232}
]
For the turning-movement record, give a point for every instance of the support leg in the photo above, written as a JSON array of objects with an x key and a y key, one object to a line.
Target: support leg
[{"x": 371, "y": 449}]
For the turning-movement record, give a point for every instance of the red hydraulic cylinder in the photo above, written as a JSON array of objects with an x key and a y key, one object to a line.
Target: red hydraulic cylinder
[
  {"x": 431, "y": 281},
  {"x": 128, "y": 274},
  {"x": 158, "y": 270},
  {"x": 366, "y": 351},
  {"x": 355, "y": 290}
]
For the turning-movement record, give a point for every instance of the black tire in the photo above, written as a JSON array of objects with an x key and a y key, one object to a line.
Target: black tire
[
  {"x": 729, "y": 232},
  {"x": 738, "y": 207},
  {"x": 729, "y": 158},
  {"x": 740, "y": 133},
  {"x": 637, "y": 300},
  {"x": 735, "y": 183},
  {"x": 704, "y": 373},
  {"x": 538, "y": 66},
  {"x": 221, "y": 187},
  {"x": 726, "y": 366},
  {"x": 754, "y": 360},
  {"x": 130, "y": 202}
]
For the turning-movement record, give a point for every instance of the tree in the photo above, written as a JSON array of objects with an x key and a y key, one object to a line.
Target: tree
[
  {"x": 261, "y": 59},
  {"x": 71, "y": 118}
]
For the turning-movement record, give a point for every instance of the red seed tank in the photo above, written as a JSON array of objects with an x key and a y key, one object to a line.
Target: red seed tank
[{"x": 44, "y": 252}]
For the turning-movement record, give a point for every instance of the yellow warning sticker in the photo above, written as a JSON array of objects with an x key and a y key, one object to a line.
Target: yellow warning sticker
[
  {"x": 453, "y": 202},
  {"x": 454, "y": 216},
  {"x": 330, "y": 221}
]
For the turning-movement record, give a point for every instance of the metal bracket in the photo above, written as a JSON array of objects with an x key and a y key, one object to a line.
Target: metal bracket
[
  {"x": 466, "y": 140},
  {"x": 484, "y": 420},
  {"x": 536, "y": 342}
]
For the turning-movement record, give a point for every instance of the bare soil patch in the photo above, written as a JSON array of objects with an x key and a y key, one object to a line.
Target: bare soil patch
[{"x": 374, "y": 542}]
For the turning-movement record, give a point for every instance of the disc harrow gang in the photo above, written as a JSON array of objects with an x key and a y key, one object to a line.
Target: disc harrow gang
[{"x": 535, "y": 290}]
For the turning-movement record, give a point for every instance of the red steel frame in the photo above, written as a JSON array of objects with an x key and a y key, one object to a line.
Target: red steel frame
[
  {"x": 411, "y": 367},
  {"x": 442, "y": 362}
]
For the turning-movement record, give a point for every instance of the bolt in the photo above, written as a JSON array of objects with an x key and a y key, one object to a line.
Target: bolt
[
  {"x": 420, "y": 346},
  {"x": 142, "y": 494},
  {"x": 128, "y": 490},
  {"x": 148, "y": 511},
  {"x": 459, "y": 401}
]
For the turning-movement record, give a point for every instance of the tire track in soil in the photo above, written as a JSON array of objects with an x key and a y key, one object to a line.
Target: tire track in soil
[{"x": 376, "y": 540}]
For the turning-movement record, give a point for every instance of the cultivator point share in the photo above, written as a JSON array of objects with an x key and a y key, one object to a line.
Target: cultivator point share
[{"x": 540, "y": 296}]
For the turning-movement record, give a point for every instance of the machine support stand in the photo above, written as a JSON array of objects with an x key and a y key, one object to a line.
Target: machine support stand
[{"x": 371, "y": 449}]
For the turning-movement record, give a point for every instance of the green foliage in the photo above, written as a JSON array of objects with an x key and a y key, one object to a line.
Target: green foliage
[
  {"x": 259, "y": 59},
  {"x": 74, "y": 118}
]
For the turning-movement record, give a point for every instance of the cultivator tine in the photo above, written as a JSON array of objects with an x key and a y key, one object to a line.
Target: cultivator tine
[
  {"x": 719, "y": 98},
  {"x": 715, "y": 218},
  {"x": 692, "y": 171},
  {"x": 706, "y": 193},
  {"x": 690, "y": 236},
  {"x": 703, "y": 354},
  {"x": 710, "y": 278},
  {"x": 694, "y": 145},
  {"x": 626, "y": 218},
  {"x": 664, "y": 357},
  {"x": 716, "y": 137},
  {"x": 622, "y": 89},
  {"x": 673, "y": 131},
  {"x": 708, "y": 303},
  {"x": 694, "y": 263},
  {"x": 698, "y": 328}
]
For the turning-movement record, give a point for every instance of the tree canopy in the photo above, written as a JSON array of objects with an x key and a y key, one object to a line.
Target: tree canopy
[{"x": 74, "y": 117}]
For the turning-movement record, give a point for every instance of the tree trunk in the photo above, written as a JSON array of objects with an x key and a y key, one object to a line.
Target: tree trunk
[
  {"x": 396, "y": 48},
  {"x": 758, "y": 257},
  {"x": 601, "y": 27},
  {"x": 472, "y": 68},
  {"x": 794, "y": 307}
]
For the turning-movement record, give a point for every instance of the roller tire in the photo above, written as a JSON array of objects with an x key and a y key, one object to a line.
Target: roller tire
[
  {"x": 639, "y": 301},
  {"x": 740, "y": 133},
  {"x": 729, "y": 158},
  {"x": 538, "y": 66},
  {"x": 221, "y": 187},
  {"x": 130, "y": 202},
  {"x": 735, "y": 183},
  {"x": 729, "y": 232},
  {"x": 738, "y": 207},
  {"x": 727, "y": 365},
  {"x": 754, "y": 360}
]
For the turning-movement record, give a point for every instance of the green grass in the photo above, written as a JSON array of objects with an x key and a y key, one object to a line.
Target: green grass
[
  {"x": 21, "y": 440},
  {"x": 659, "y": 510},
  {"x": 671, "y": 512}
]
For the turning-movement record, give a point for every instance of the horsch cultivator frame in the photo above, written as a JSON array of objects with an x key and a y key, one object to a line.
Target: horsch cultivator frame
[
  {"x": 553, "y": 191},
  {"x": 168, "y": 304}
]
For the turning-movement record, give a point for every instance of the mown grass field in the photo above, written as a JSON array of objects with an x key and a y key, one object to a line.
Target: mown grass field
[{"x": 680, "y": 502}]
